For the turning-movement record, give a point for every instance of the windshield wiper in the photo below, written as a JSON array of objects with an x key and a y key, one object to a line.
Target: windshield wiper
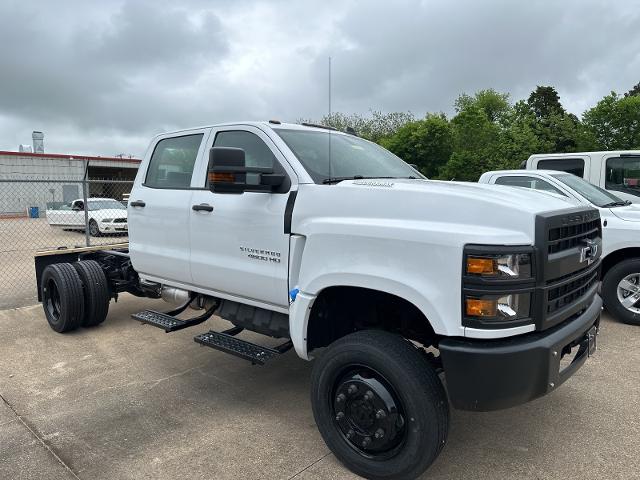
[
  {"x": 332, "y": 180},
  {"x": 620, "y": 203}
]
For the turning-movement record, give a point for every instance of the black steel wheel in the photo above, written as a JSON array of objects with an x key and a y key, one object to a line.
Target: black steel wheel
[
  {"x": 62, "y": 297},
  {"x": 379, "y": 405},
  {"x": 94, "y": 230},
  {"x": 96, "y": 292}
]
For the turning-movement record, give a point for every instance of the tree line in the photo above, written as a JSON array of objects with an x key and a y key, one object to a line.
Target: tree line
[{"x": 489, "y": 132}]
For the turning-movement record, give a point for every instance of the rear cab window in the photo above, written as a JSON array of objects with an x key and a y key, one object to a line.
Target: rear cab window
[
  {"x": 569, "y": 165},
  {"x": 171, "y": 164},
  {"x": 622, "y": 174}
]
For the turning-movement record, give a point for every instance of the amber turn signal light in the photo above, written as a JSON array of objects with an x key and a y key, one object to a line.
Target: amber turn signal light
[
  {"x": 481, "y": 266},
  {"x": 481, "y": 308},
  {"x": 219, "y": 177}
]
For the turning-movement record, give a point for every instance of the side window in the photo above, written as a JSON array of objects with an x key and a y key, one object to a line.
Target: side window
[
  {"x": 172, "y": 161},
  {"x": 623, "y": 175},
  {"x": 528, "y": 182},
  {"x": 569, "y": 165},
  {"x": 257, "y": 153}
]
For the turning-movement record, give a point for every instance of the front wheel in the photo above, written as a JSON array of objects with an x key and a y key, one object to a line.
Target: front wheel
[
  {"x": 621, "y": 291},
  {"x": 94, "y": 230},
  {"x": 379, "y": 405}
]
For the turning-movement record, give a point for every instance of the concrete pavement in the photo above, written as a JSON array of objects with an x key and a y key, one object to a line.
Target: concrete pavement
[{"x": 129, "y": 401}]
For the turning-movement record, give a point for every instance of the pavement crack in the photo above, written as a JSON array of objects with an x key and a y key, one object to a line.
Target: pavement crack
[
  {"x": 309, "y": 466},
  {"x": 38, "y": 437}
]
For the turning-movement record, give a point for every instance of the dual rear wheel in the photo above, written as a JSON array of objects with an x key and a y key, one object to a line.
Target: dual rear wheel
[{"x": 74, "y": 294}]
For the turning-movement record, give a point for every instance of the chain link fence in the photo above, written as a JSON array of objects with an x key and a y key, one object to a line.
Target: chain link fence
[{"x": 49, "y": 214}]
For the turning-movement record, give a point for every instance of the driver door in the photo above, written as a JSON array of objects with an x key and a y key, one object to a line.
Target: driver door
[{"x": 239, "y": 247}]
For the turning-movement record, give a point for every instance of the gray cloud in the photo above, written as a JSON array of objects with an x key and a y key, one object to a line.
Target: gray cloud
[{"x": 103, "y": 77}]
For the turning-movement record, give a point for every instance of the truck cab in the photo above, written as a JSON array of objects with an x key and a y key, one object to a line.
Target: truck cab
[
  {"x": 620, "y": 232},
  {"x": 615, "y": 171},
  {"x": 351, "y": 257}
]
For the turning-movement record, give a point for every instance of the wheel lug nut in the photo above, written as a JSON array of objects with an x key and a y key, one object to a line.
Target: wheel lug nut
[
  {"x": 379, "y": 433},
  {"x": 366, "y": 441},
  {"x": 352, "y": 389},
  {"x": 340, "y": 416},
  {"x": 380, "y": 414},
  {"x": 341, "y": 398},
  {"x": 350, "y": 433},
  {"x": 369, "y": 395}
]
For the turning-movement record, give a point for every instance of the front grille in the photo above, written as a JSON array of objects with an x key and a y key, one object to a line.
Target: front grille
[
  {"x": 119, "y": 220},
  {"x": 569, "y": 243},
  {"x": 566, "y": 237},
  {"x": 566, "y": 294}
]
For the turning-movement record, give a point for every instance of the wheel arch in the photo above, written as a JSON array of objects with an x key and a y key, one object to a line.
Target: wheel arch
[
  {"x": 618, "y": 256},
  {"x": 342, "y": 308}
]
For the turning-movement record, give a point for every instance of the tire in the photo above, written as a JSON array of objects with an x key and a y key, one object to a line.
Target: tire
[
  {"x": 62, "y": 297},
  {"x": 96, "y": 292},
  {"x": 94, "y": 230},
  {"x": 629, "y": 270},
  {"x": 412, "y": 438}
]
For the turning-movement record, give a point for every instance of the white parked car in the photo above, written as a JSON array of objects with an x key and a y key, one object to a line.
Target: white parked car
[
  {"x": 105, "y": 215},
  {"x": 620, "y": 232},
  {"x": 615, "y": 171}
]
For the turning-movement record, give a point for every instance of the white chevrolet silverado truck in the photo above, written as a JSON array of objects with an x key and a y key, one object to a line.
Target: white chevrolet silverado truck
[
  {"x": 620, "y": 232},
  {"x": 396, "y": 284}
]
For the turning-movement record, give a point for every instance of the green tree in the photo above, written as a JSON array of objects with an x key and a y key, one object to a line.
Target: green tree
[
  {"x": 476, "y": 140},
  {"x": 426, "y": 143},
  {"x": 614, "y": 123},
  {"x": 634, "y": 92},
  {"x": 556, "y": 130},
  {"x": 544, "y": 101},
  {"x": 374, "y": 127}
]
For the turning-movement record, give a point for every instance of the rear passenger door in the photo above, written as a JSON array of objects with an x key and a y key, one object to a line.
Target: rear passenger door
[{"x": 159, "y": 207}]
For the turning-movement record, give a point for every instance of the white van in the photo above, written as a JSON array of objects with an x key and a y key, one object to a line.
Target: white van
[{"x": 617, "y": 171}]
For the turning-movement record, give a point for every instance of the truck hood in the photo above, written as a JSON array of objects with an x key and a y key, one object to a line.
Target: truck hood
[
  {"x": 457, "y": 211},
  {"x": 630, "y": 213},
  {"x": 532, "y": 201}
]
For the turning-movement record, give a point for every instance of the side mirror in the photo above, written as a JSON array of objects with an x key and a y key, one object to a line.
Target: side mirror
[{"x": 228, "y": 173}]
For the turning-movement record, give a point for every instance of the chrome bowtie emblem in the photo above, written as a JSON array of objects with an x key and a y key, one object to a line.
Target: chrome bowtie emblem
[{"x": 589, "y": 252}]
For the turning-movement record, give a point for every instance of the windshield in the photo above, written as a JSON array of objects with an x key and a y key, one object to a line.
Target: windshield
[
  {"x": 105, "y": 205},
  {"x": 595, "y": 195},
  {"x": 327, "y": 155},
  {"x": 623, "y": 175}
]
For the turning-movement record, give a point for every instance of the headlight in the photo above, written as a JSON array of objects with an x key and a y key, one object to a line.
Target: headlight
[
  {"x": 500, "y": 307},
  {"x": 107, "y": 220},
  {"x": 509, "y": 266}
]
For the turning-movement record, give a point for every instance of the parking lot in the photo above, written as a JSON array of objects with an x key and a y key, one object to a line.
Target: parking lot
[
  {"x": 20, "y": 238},
  {"x": 129, "y": 401}
]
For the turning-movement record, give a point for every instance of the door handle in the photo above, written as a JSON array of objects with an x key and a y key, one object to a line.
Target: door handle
[
  {"x": 203, "y": 207},
  {"x": 137, "y": 203}
]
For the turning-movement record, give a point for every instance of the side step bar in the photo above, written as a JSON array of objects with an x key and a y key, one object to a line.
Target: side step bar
[
  {"x": 168, "y": 322},
  {"x": 226, "y": 342}
]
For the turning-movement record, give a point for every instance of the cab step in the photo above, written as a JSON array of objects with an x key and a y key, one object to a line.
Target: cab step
[
  {"x": 168, "y": 322},
  {"x": 161, "y": 320},
  {"x": 226, "y": 342}
]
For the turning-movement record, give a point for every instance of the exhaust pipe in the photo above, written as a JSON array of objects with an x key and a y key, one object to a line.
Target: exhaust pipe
[{"x": 177, "y": 296}]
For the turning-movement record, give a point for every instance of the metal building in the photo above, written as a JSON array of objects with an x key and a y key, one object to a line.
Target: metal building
[{"x": 44, "y": 179}]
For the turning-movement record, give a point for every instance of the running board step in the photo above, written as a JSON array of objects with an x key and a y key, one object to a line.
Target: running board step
[
  {"x": 164, "y": 321},
  {"x": 256, "y": 354}
]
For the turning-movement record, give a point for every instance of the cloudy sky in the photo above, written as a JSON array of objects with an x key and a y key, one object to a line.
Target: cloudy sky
[{"x": 103, "y": 77}]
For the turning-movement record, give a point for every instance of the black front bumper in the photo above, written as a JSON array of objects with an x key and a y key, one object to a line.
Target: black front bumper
[{"x": 485, "y": 375}]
